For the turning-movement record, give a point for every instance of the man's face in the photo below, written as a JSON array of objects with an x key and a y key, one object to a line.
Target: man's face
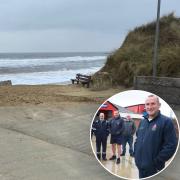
[
  {"x": 128, "y": 117},
  {"x": 101, "y": 116},
  {"x": 152, "y": 106},
  {"x": 116, "y": 114}
]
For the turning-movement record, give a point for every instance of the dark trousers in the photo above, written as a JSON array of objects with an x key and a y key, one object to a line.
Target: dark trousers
[
  {"x": 129, "y": 140},
  {"x": 146, "y": 173},
  {"x": 92, "y": 133},
  {"x": 101, "y": 141}
]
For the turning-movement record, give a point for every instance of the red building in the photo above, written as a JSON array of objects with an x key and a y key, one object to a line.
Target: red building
[
  {"x": 139, "y": 108},
  {"x": 135, "y": 111},
  {"x": 108, "y": 109}
]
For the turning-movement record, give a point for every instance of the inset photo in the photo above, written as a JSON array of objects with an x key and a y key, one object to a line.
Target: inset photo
[{"x": 134, "y": 134}]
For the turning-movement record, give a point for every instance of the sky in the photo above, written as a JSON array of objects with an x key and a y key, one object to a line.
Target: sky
[
  {"x": 135, "y": 97},
  {"x": 74, "y": 25}
]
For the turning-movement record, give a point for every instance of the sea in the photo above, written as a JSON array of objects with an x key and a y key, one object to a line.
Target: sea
[{"x": 48, "y": 68}]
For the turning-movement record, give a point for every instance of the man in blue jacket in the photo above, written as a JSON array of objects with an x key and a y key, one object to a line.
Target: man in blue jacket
[
  {"x": 116, "y": 126},
  {"x": 156, "y": 140},
  {"x": 101, "y": 131}
]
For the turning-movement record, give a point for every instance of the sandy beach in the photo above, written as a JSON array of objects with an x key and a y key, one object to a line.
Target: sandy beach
[
  {"x": 51, "y": 94},
  {"x": 45, "y": 133}
]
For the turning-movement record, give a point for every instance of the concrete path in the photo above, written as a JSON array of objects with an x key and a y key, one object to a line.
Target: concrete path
[{"x": 52, "y": 143}]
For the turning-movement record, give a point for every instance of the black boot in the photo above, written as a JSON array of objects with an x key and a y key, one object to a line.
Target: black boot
[
  {"x": 99, "y": 156},
  {"x": 118, "y": 161},
  {"x": 113, "y": 157},
  {"x": 104, "y": 157}
]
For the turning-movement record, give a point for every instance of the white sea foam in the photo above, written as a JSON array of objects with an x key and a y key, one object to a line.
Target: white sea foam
[
  {"x": 49, "y": 77},
  {"x": 46, "y": 68},
  {"x": 13, "y": 63}
]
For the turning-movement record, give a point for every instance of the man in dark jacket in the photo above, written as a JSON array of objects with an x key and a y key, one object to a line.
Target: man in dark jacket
[
  {"x": 101, "y": 131},
  {"x": 129, "y": 130},
  {"x": 156, "y": 139},
  {"x": 116, "y": 126}
]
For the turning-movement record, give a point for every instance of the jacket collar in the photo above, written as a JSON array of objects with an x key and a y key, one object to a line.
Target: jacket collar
[
  {"x": 117, "y": 118},
  {"x": 146, "y": 116}
]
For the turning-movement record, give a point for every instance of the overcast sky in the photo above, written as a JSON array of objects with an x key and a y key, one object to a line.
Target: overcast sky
[{"x": 74, "y": 25}]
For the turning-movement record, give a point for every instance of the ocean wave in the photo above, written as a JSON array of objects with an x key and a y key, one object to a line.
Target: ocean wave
[
  {"x": 10, "y": 63},
  {"x": 52, "y": 67},
  {"x": 49, "y": 77}
]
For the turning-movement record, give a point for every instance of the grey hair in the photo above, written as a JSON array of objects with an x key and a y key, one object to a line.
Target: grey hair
[{"x": 157, "y": 98}]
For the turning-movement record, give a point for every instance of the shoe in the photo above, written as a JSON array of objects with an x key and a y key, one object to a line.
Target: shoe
[
  {"x": 118, "y": 161},
  {"x": 104, "y": 157},
  {"x": 123, "y": 154},
  {"x": 99, "y": 156},
  {"x": 113, "y": 157}
]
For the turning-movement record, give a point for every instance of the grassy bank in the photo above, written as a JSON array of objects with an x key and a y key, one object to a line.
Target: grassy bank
[{"x": 135, "y": 55}]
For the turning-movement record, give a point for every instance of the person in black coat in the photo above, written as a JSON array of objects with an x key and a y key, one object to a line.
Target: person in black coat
[
  {"x": 116, "y": 126},
  {"x": 101, "y": 131},
  {"x": 156, "y": 139}
]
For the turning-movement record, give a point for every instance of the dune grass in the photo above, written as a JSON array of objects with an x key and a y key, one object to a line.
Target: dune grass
[{"x": 135, "y": 55}]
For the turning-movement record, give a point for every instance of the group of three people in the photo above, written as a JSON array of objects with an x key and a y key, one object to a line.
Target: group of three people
[
  {"x": 156, "y": 139},
  {"x": 121, "y": 130}
]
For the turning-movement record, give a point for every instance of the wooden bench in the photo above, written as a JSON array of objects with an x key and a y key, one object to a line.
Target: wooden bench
[{"x": 83, "y": 79}]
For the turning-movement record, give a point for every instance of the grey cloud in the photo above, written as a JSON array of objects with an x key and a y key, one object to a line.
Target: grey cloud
[
  {"x": 26, "y": 21},
  {"x": 101, "y": 14}
]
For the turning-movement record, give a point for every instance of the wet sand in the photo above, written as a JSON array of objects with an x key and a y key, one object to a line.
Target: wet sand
[{"x": 44, "y": 134}]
